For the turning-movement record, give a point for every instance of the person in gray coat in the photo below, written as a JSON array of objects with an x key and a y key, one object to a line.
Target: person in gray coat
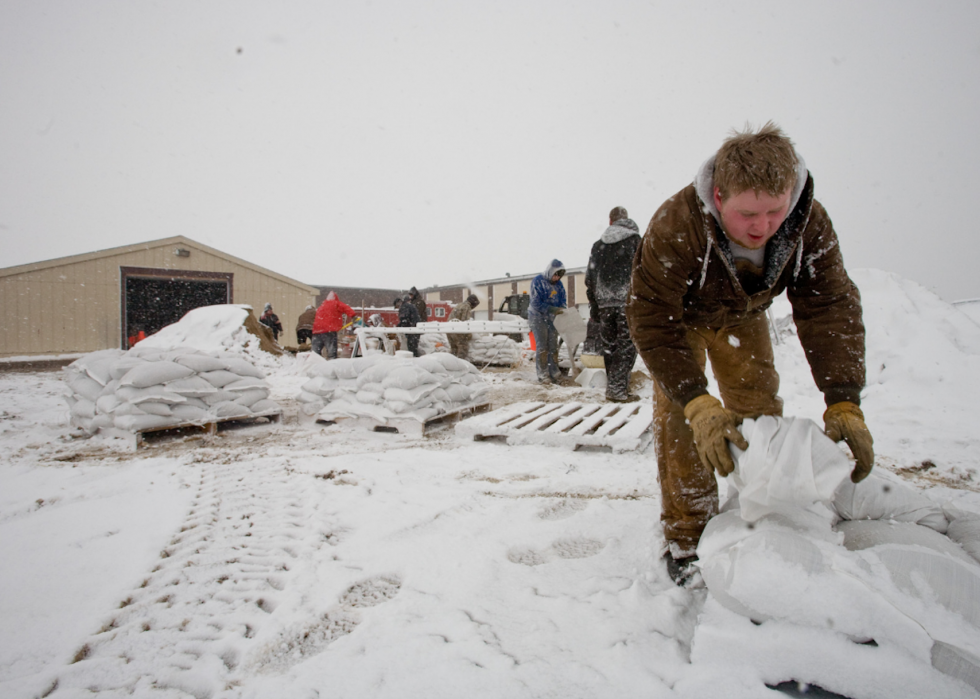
[{"x": 607, "y": 284}]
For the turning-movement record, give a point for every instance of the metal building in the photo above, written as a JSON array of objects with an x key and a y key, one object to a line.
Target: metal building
[{"x": 98, "y": 300}]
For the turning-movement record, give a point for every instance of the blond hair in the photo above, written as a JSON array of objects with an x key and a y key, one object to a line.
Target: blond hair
[{"x": 763, "y": 161}]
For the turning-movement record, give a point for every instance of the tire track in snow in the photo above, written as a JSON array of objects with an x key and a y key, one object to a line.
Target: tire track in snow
[{"x": 185, "y": 630}]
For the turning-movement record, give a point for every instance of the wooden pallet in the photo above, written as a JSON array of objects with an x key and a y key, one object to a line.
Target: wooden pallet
[
  {"x": 405, "y": 425},
  {"x": 619, "y": 426},
  {"x": 210, "y": 427}
]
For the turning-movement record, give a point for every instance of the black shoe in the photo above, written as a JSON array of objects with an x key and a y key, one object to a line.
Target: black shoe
[
  {"x": 628, "y": 399},
  {"x": 680, "y": 570}
]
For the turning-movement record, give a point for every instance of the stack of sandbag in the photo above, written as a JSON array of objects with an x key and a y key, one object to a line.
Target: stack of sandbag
[
  {"x": 498, "y": 350},
  {"x": 775, "y": 554},
  {"x": 383, "y": 387},
  {"x": 430, "y": 343},
  {"x": 149, "y": 388}
]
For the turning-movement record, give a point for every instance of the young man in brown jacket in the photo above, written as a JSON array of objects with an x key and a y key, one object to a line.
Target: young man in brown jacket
[{"x": 713, "y": 258}]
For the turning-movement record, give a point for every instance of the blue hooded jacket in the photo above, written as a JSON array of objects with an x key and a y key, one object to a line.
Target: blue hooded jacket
[{"x": 544, "y": 293}]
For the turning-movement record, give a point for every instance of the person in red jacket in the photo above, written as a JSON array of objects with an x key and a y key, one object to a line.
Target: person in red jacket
[{"x": 329, "y": 319}]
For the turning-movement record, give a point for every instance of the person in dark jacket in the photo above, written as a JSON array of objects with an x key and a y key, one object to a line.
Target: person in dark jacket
[
  {"x": 408, "y": 317},
  {"x": 419, "y": 302},
  {"x": 304, "y": 326},
  {"x": 271, "y": 321},
  {"x": 714, "y": 257},
  {"x": 607, "y": 283}
]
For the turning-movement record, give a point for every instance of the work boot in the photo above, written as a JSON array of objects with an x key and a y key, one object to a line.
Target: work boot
[
  {"x": 632, "y": 398},
  {"x": 681, "y": 570}
]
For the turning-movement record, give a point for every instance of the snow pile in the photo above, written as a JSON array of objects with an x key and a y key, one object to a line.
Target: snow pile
[
  {"x": 498, "y": 350},
  {"x": 382, "y": 387},
  {"x": 205, "y": 328},
  {"x": 147, "y": 388},
  {"x": 896, "y": 580}
]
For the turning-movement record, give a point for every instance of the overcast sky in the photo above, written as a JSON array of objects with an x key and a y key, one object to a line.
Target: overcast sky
[{"x": 398, "y": 143}]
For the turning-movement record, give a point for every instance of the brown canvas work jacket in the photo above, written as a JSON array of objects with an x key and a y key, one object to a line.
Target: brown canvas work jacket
[{"x": 684, "y": 276}]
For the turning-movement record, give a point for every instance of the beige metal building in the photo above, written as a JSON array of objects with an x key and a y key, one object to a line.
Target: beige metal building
[
  {"x": 98, "y": 300},
  {"x": 492, "y": 292}
]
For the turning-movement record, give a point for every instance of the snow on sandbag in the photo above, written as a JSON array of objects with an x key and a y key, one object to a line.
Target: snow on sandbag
[
  {"x": 97, "y": 364},
  {"x": 151, "y": 383},
  {"x": 877, "y": 498},
  {"x": 498, "y": 350},
  {"x": 263, "y": 406},
  {"x": 382, "y": 387},
  {"x": 822, "y": 585},
  {"x": 964, "y": 529},
  {"x": 957, "y": 662},
  {"x": 790, "y": 463},
  {"x": 153, "y": 373}
]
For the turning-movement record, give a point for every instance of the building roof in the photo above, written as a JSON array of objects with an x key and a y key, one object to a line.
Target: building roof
[{"x": 176, "y": 241}]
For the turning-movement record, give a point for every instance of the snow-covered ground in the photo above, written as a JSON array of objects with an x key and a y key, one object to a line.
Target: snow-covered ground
[{"x": 297, "y": 560}]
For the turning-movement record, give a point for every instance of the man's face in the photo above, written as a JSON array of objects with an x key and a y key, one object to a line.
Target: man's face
[{"x": 750, "y": 218}]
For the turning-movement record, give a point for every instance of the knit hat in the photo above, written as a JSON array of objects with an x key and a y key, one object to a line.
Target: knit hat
[
  {"x": 473, "y": 300},
  {"x": 617, "y": 213},
  {"x": 268, "y": 307}
]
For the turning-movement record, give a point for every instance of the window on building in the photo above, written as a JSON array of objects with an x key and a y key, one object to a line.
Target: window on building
[{"x": 440, "y": 313}]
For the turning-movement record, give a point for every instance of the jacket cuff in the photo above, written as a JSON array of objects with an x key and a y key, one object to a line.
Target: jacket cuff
[
  {"x": 688, "y": 397},
  {"x": 837, "y": 394}
]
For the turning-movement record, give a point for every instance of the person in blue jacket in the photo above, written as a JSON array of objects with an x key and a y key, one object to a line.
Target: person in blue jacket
[{"x": 547, "y": 301}]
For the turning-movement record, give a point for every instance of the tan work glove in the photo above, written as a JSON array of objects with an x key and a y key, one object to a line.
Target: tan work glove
[
  {"x": 714, "y": 426},
  {"x": 845, "y": 421}
]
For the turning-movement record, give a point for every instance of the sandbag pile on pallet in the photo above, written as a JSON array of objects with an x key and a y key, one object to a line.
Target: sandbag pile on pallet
[
  {"x": 430, "y": 343},
  {"x": 149, "y": 388},
  {"x": 382, "y": 387},
  {"x": 498, "y": 350}
]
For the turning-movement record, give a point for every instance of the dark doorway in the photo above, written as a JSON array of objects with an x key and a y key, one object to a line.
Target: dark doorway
[{"x": 153, "y": 301}]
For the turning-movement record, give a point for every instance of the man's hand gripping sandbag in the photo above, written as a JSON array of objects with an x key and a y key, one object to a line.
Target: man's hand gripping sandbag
[
  {"x": 845, "y": 421},
  {"x": 714, "y": 427}
]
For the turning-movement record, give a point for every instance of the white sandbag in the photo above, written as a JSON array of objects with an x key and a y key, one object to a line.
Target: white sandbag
[
  {"x": 790, "y": 463},
  {"x": 591, "y": 378},
  {"x": 230, "y": 409},
  {"x": 936, "y": 577},
  {"x": 252, "y": 396},
  {"x": 407, "y": 377},
  {"x": 107, "y": 403},
  {"x": 98, "y": 364},
  {"x": 398, "y": 406},
  {"x": 458, "y": 393},
  {"x": 191, "y": 387},
  {"x": 127, "y": 409},
  {"x": 821, "y": 585},
  {"x": 194, "y": 402},
  {"x": 410, "y": 395},
  {"x": 124, "y": 365},
  {"x": 265, "y": 406},
  {"x": 242, "y": 367},
  {"x": 321, "y": 385},
  {"x": 345, "y": 368},
  {"x": 877, "y": 498},
  {"x": 313, "y": 407},
  {"x": 152, "y": 408},
  {"x": 305, "y": 397},
  {"x": 220, "y": 377},
  {"x": 957, "y": 662},
  {"x": 219, "y": 396},
  {"x": 370, "y": 397},
  {"x": 376, "y": 373},
  {"x": 432, "y": 364},
  {"x": 101, "y": 421},
  {"x": 866, "y": 533},
  {"x": 452, "y": 363},
  {"x": 158, "y": 394},
  {"x": 201, "y": 363},
  {"x": 189, "y": 413},
  {"x": 153, "y": 373},
  {"x": 84, "y": 386},
  {"x": 138, "y": 423},
  {"x": 245, "y": 384},
  {"x": 964, "y": 529},
  {"x": 83, "y": 408}
]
